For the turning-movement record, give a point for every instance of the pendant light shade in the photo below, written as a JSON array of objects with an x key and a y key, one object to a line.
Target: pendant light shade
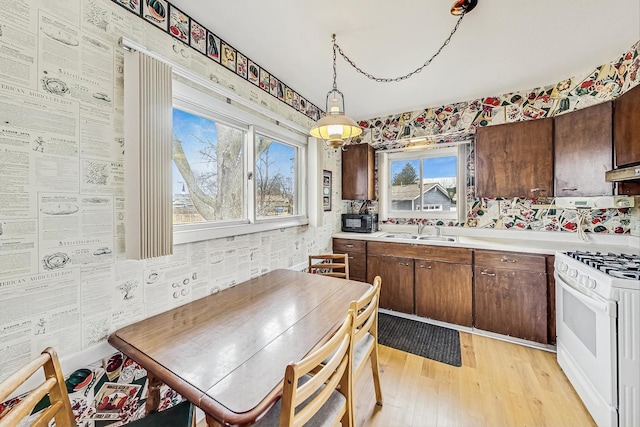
[{"x": 335, "y": 128}]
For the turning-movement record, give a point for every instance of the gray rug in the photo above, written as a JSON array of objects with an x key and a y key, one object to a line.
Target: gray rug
[{"x": 423, "y": 339}]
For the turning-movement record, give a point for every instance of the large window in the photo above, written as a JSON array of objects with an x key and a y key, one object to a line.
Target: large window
[
  {"x": 275, "y": 181},
  {"x": 233, "y": 172},
  {"x": 208, "y": 169},
  {"x": 424, "y": 184}
]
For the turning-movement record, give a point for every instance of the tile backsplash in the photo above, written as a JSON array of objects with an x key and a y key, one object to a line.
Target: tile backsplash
[{"x": 534, "y": 214}]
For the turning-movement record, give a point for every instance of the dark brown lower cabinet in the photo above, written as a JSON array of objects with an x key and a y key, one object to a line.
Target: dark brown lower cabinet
[
  {"x": 443, "y": 291},
  {"x": 356, "y": 250},
  {"x": 396, "y": 291},
  {"x": 511, "y": 302}
]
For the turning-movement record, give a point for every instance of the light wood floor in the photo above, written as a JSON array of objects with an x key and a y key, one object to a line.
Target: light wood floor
[{"x": 499, "y": 385}]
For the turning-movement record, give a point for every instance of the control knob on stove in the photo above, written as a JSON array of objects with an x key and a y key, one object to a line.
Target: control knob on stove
[
  {"x": 573, "y": 273},
  {"x": 562, "y": 267},
  {"x": 591, "y": 283}
]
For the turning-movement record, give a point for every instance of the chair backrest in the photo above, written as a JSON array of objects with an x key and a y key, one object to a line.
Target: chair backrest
[
  {"x": 54, "y": 386},
  {"x": 314, "y": 391},
  {"x": 334, "y": 265},
  {"x": 366, "y": 309}
]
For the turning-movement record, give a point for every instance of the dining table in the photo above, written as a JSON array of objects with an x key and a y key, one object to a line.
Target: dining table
[{"x": 227, "y": 352}]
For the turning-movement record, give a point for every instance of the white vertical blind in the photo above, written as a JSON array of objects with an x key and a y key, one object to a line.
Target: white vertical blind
[{"x": 148, "y": 156}]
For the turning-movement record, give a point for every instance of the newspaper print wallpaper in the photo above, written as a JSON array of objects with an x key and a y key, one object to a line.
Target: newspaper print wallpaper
[
  {"x": 64, "y": 281},
  {"x": 458, "y": 122}
]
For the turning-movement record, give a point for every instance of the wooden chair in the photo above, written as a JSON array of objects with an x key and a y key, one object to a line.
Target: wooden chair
[
  {"x": 323, "y": 398},
  {"x": 59, "y": 408},
  {"x": 334, "y": 265},
  {"x": 365, "y": 335}
]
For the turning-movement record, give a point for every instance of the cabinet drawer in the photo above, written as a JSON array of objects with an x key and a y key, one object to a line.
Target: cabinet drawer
[
  {"x": 347, "y": 246},
  {"x": 419, "y": 251},
  {"x": 510, "y": 260}
]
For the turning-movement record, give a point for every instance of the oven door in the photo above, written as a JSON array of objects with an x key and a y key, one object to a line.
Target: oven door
[{"x": 586, "y": 345}]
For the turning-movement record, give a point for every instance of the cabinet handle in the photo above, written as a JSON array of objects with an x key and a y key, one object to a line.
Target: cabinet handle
[
  {"x": 486, "y": 273},
  {"x": 350, "y": 257},
  {"x": 348, "y": 246},
  {"x": 533, "y": 190},
  {"x": 505, "y": 259},
  {"x": 569, "y": 189},
  {"x": 405, "y": 264},
  {"x": 426, "y": 266}
]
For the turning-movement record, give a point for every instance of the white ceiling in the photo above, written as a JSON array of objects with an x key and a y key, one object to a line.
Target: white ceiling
[{"x": 501, "y": 46}]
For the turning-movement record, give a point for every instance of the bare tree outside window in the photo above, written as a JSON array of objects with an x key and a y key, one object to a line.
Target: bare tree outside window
[
  {"x": 208, "y": 170},
  {"x": 275, "y": 178}
]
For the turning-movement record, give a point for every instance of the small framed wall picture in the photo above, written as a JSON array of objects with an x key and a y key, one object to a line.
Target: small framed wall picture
[{"x": 326, "y": 190}]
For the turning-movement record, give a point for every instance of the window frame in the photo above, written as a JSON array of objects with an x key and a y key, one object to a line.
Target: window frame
[
  {"x": 202, "y": 102},
  {"x": 460, "y": 150},
  {"x": 299, "y": 164}
]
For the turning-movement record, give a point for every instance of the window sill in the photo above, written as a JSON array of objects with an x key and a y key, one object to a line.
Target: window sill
[{"x": 197, "y": 234}]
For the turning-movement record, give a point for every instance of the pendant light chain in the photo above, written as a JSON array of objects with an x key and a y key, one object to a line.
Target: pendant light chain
[
  {"x": 387, "y": 79},
  {"x": 335, "y": 74}
]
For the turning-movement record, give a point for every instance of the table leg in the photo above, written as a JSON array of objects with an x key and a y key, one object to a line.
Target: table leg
[
  {"x": 212, "y": 422},
  {"x": 153, "y": 393}
]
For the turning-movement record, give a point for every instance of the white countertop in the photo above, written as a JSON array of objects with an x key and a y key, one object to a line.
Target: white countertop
[{"x": 542, "y": 242}]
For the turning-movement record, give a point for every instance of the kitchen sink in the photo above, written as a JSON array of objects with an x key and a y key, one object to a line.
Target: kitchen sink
[
  {"x": 400, "y": 236},
  {"x": 425, "y": 237},
  {"x": 438, "y": 238}
]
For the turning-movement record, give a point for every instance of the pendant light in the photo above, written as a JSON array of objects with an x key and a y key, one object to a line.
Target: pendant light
[
  {"x": 460, "y": 7},
  {"x": 335, "y": 128}
]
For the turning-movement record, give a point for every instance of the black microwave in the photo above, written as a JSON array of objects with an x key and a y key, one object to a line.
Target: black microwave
[{"x": 360, "y": 223}]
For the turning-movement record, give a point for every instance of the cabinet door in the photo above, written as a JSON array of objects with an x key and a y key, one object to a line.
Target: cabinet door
[
  {"x": 511, "y": 302},
  {"x": 583, "y": 146},
  {"x": 515, "y": 159},
  {"x": 626, "y": 128},
  {"x": 444, "y": 291},
  {"x": 357, "y": 266},
  {"x": 396, "y": 291},
  {"x": 357, "y": 172},
  {"x": 357, "y": 253}
]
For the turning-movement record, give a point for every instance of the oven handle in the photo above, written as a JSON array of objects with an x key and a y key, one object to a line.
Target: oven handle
[{"x": 593, "y": 300}]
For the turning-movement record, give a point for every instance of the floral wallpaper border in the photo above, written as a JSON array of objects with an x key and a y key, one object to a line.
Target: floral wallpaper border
[{"x": 458, "y": 122}]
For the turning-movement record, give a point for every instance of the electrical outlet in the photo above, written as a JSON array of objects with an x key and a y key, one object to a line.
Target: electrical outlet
[{"x": 513, "y": 212}]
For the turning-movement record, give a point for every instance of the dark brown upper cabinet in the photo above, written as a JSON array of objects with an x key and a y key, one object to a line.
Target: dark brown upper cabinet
[
  {"x": 583, "y": 147},
  {"x": 626, "y": 128},
  {"x": 515, "y": 159},
  {"x": 357, "y": 172}
]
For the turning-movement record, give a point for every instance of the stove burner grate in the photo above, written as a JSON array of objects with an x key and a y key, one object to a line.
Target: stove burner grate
[{"x": 622, "y": 266}]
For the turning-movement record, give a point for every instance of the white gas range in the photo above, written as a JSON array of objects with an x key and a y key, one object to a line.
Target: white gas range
[{"x": 598, "y": 332}]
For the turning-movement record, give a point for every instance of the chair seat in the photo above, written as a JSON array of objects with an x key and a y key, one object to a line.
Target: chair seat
[
  {"x": 324, "y": 417},
  {"x": 180, "y": 415},
  {"x": 360, "y": 351}
]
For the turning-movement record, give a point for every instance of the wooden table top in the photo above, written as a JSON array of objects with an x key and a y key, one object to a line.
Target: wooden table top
[{"x": 227, "y": 352}]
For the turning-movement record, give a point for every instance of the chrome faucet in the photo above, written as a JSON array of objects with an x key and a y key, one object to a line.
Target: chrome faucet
[
  {"x": 436, "y": 229},
  {"x": 420, "y": 227}
]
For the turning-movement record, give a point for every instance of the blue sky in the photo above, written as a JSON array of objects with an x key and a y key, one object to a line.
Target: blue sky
[
  {"x": 433, "y": 167},
  {"x": 191, "y": 129}
]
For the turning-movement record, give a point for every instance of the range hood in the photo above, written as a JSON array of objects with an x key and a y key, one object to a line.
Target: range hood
[{"x": 623, "y": 174}]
